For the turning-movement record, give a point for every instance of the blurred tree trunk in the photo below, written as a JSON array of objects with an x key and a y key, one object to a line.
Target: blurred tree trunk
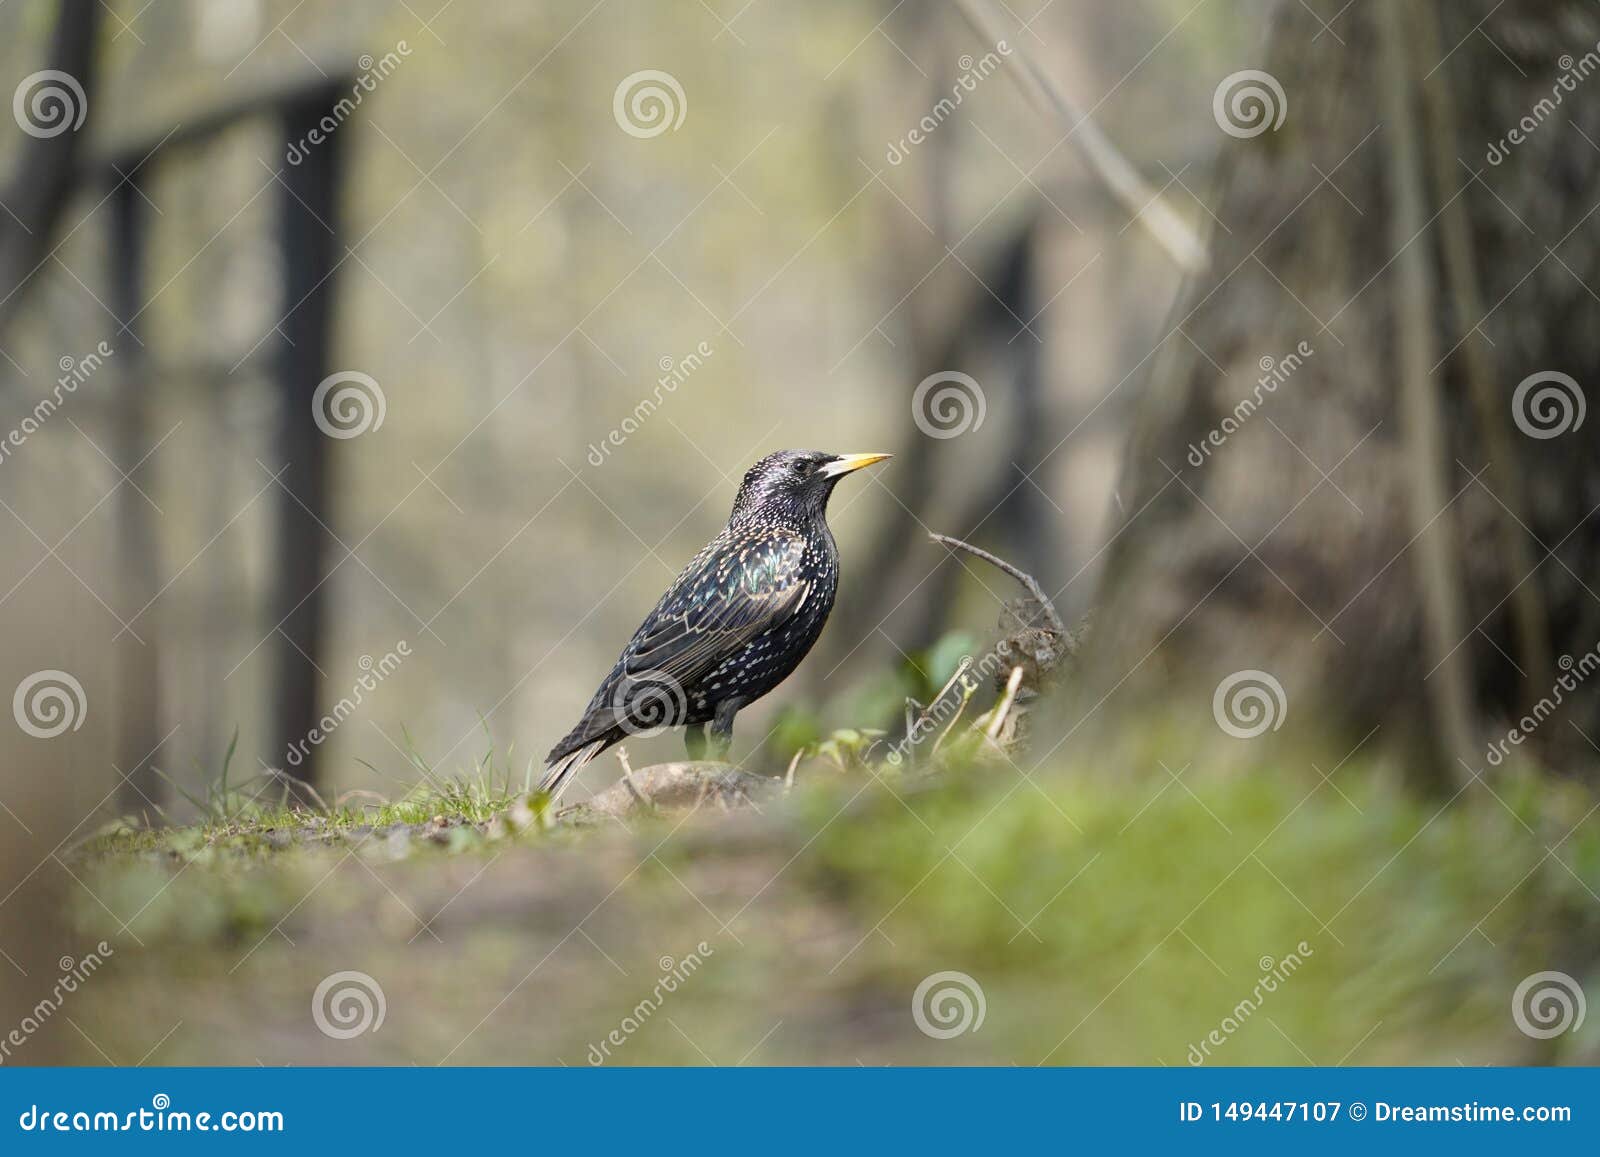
[
  {"x": 138, "y": 656},
  {"x": 309, "y": 231},
  {"x": 38, "y": 190},
  {"x": 1422, "y": 585}
]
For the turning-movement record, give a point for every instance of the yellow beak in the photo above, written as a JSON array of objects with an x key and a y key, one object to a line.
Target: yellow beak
[{"x": 845, "y": 463}]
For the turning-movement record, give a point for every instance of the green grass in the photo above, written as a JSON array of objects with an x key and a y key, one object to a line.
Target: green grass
[
  {"x": 1107, "y": 920},
  {"x": 257, "y": 817}
]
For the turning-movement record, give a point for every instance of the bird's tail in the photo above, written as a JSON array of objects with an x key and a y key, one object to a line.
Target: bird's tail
[{"x": 559, "y": 772}]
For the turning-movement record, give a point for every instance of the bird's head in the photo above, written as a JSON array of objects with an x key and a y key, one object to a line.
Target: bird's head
[{"x": 796, "y": 482}]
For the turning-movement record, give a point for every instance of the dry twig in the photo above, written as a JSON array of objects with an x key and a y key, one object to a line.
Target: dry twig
[
  {"x": 1124, "y": 182},
  {"x": 1027, "y": 580},
  {"x": 1003, "y": 708}
]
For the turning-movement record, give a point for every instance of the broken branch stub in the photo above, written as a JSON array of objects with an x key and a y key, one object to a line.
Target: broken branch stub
[{"x": 1032, "y": 636}]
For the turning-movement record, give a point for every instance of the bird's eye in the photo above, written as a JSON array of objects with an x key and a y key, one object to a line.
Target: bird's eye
[{"x": 802, "y": 468}]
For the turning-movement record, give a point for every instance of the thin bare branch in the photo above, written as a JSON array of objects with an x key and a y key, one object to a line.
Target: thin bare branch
[
  {"x": 1022, "y": 576},
  {"x": 1124, "y": 182}
]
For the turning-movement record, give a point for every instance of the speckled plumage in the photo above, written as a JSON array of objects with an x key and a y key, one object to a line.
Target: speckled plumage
[{"x": 733, "y": 625}]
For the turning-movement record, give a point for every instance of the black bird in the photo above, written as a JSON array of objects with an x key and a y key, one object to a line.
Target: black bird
[{"x": 734, "y": 624}]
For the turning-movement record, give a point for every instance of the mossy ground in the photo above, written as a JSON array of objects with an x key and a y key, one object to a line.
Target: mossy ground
[{"x": 1105, "y": 921}]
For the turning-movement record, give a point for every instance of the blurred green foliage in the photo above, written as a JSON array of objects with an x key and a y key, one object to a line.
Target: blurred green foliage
[{"x": 1105, "y": 920}]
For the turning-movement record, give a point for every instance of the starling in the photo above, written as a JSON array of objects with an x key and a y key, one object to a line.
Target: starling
[{"x": 733, "y": 625}]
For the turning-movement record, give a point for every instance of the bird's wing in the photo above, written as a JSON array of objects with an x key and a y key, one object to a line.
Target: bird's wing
[
  {"x": 744, "y": 586},
  {"x": 739, "y": 586}
]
